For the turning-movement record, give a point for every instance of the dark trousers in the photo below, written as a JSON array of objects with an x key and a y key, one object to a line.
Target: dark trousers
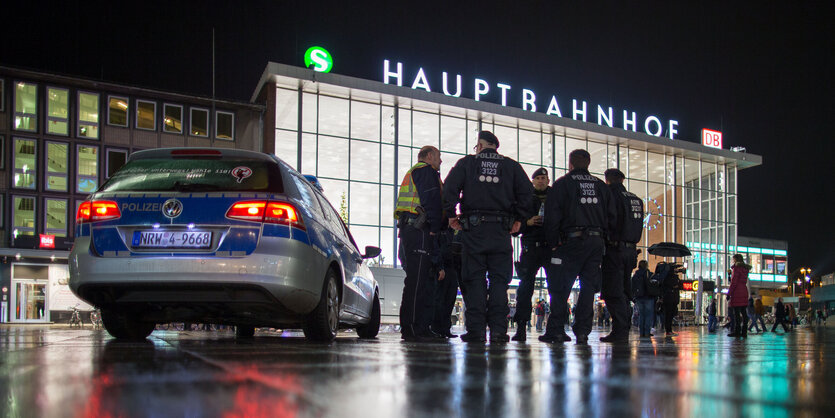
[
  {"x": 446, "y": 291},
  {"x": 416, "y": 307},
  {"x": 740, "y": 320},
  {"x": 618, "y": 263},
  {"x": 487, "y": 256},
  {"x": 780, "y": 320},
  {"x": 577, "y": 256},
  {"x": 531, "y": 260},
  {"x": 670, "y": 306},
  {"x": 646, "y": 314}
]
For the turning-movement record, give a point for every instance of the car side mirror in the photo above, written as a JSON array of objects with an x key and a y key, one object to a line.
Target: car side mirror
[{"x": 371, "y": 252}]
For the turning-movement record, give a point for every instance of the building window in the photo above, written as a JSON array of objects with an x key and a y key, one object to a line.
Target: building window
[
  {"x": 55, "y": 222},
  {"x": 25, "y": 170},
  {"x": 87, "y": 180},
  {"x": 2, "y": 95},
  {"x": 116, "y": 158},
  {"x": 57, "y": 111},
  {"x": 23, "y": 216},
  {"x": 199, "y": 122},
  {"x": 225, "y": 125},
  {"x": 173, "y": 121},
  {"x": 26, "y": 107},
  {"x": 88, "y": 115},
  {"x": 57, "y": 166},
  {"x": 146, "y": 113},
  {"x": 117, "y": 111}
]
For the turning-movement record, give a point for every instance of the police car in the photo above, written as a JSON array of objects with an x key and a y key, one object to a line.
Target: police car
[{"x": 219, "y": 236}]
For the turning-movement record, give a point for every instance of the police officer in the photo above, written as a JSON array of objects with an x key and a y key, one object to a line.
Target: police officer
[
  {"x": 621, "y": 255},
  {"x": 446, "y": 290},
  {"x": 579, "y": 212},
  {"x": 535, "y": 253},
  {"x": 419, "y": 218},
  {"x": 494, "y": 193}
]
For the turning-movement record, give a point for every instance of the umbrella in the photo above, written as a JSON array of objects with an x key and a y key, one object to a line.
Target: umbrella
[{"x": 668, "y": 249}]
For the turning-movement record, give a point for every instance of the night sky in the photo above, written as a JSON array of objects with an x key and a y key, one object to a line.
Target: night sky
[{"x": 760, "y": 72}]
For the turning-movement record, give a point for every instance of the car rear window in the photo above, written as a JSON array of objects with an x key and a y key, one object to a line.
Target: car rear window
[{"x": 196, "y": 174}]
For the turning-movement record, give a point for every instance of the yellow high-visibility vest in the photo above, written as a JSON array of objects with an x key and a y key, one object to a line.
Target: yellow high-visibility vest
[{"x": 407, "y": 197}]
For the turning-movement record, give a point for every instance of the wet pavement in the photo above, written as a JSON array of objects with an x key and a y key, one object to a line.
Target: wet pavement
[{"x": 54, "y": 371}]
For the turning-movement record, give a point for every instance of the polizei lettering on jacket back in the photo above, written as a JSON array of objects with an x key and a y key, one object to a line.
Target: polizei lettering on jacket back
[{"x": 489, "y": 171}]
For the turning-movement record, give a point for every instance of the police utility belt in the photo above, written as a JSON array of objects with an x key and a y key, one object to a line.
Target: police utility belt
[
  {"x": 418, "y": 220},
  {"x": 581, "y": 232},
  {"x": 624, "y": 244},
  {"x": 473, "y": 219}
]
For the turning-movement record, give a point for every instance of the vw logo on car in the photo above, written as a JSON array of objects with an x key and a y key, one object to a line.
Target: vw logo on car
[{"x": 172, "y": 208}]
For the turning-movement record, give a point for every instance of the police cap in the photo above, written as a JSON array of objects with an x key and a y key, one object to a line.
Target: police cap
[
  {"x": 541, "y": 171},
  {"x": 489, "y": 137}
]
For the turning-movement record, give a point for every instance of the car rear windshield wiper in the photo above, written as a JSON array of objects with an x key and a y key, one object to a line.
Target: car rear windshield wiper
[{"x": 192, "y": 187}]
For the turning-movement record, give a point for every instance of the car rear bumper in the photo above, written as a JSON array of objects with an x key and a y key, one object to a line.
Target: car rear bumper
[{"x": 292, "y": 280}]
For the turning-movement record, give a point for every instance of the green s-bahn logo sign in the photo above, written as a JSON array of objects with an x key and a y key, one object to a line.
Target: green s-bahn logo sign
[{"x": 319, "y": 59}]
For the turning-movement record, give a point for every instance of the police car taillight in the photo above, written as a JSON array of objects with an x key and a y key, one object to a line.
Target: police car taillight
[
  {"x": 247, "y": 211},
  {"x": 283, "y": 213},
  {"x": 268, "y": 212},
  {"x": 97, "y": 211}
]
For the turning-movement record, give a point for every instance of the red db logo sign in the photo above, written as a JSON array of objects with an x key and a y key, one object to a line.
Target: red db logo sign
[
  {"x": 712, "y": 139},
  {"x": 47, "y": 241}
]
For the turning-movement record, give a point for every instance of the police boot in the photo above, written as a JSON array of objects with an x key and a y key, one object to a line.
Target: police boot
[{"x": 520, "y": 335}]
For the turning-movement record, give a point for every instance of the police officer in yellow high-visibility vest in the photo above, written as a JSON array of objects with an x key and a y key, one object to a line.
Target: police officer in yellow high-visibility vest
[{"x": 419, "y": 218}]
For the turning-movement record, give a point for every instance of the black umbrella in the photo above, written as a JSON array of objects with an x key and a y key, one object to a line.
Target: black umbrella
[{"x": 668, "y": 249}]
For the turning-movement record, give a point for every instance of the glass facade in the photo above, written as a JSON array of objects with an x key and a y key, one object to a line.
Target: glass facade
[
  {"x": 360, "y": 144},
  {"x": 57, "y": 111},
  {"x": 88, "y": 115}
]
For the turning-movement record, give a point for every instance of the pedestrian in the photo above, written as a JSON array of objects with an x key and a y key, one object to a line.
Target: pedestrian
[
  {"x": 738, "y": 296},
  {"x": 643, "y": 300},
  {"x": 621, "y": 255},
  {"x": 779, "y": 316},
  {"x": 820, "y": 317},
  {"x": 759, "y": 311},
  {"x": 711, "y": 316},
  {"x": 420, "y": 220},
  {"x": 495, "y": 194},
  {"x": 579, "y": 213},
  {"x": 670, "y": 296},
  {"x": 535, "y": 253},
  {"x": 750, "y": 310},
  {"x": 540, "y": 315},
  {"x": 792, "y": 316}
]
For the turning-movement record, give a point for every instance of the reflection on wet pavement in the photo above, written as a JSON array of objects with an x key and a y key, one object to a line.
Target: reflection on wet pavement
[{"x": 56, "y": 372}]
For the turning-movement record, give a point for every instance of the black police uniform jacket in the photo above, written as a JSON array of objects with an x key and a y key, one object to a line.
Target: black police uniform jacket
[
  {"x": 630, "y": 215},
  {"x": 491, "y": 183},
  {"x": 534, "y": 233},
  {"x": 577, "y": 201}
]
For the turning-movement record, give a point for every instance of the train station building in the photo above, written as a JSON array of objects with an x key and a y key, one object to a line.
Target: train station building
[{"x": 62, "y": 136}]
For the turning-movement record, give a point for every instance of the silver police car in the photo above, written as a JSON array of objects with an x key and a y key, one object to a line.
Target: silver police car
[{"x": 219, "y": 236}]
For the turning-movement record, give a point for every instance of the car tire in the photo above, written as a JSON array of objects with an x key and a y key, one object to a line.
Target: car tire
[
  {"x": 122, "y": 326},
  {"x": 244, "y": 331},
  {"x": 323, "y": 323},
  {"x": 372, "y": 328}
]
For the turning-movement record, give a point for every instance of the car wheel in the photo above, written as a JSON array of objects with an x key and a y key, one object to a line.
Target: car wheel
[
  {"x": 244, "y": 331},
  {"x": 122, "y": 326},
  {"x": 371, "y": 329},
  {"x": 323, "y": 322}
]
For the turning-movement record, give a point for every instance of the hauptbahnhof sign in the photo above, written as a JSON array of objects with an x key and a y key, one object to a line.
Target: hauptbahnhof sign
[{"x": 605, "y": 116}]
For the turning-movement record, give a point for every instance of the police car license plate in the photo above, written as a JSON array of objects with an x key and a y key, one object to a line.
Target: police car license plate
[{"x": 172, "y": 239}]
